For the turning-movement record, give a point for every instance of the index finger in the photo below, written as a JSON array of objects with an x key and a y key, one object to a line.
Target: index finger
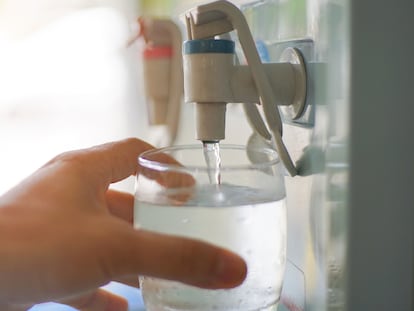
[
  {"x": 110, "y": 162},
  {"x": 120, "y": 158}
]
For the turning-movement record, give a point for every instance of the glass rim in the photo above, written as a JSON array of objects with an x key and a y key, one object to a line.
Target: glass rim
[{"x": 156, "y": 165}]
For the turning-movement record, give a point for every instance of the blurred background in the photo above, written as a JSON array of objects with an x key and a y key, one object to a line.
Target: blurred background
[{"x": 67, "y": 79}]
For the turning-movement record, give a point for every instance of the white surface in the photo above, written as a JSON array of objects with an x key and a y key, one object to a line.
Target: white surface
[{"x": 72, "y": 84}]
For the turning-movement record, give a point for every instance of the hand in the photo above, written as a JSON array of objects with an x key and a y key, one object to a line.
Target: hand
[{"x": 63, "y": 234}]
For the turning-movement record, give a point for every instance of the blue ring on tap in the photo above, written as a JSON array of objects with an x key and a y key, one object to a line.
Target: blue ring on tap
[{"x": 221, "y": 46}]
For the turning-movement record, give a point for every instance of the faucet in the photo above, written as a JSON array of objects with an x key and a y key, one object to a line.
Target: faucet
[
  {"x": 163, "y": 76},
  {"x": 213, "y": 77}
]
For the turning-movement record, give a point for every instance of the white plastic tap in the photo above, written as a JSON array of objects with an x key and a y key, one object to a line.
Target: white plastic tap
[
  {"x": 212, "y": 78},
  {"x": 163, "y": 77}
]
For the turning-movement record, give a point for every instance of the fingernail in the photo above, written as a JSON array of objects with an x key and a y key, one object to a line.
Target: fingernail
[{"x": 231, "y": 270}]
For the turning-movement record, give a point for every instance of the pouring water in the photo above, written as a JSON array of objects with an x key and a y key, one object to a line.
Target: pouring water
[{"x": 211, "y": 151}]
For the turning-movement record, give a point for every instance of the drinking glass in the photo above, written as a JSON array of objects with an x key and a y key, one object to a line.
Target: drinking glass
[{"x": 231, "y": 196}]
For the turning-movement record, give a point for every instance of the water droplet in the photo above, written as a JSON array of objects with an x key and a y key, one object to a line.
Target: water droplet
[{"x": 185, "y": 220}]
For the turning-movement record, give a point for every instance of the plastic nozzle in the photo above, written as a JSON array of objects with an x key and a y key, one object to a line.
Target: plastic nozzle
[{"x": 210, "y": 121}]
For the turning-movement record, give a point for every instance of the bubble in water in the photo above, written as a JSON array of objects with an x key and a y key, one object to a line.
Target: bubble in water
[
  {"x": 219, "y": 196},
  {"x": 229, "y": 195}
]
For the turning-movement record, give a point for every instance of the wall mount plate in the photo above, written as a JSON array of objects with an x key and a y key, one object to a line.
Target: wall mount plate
[{"x": 294, "y": 57}]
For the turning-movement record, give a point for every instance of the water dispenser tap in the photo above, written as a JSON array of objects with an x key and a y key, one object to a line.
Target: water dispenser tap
[
  {"x": 163, "y": 76},
  {"x": 212, "y": 78}
]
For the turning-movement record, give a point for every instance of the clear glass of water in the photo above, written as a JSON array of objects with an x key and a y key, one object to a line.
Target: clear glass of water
[{"x": 227, "y": 195}]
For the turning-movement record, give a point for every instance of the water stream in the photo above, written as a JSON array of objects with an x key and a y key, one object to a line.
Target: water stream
[{"x": 212, "y": 156}]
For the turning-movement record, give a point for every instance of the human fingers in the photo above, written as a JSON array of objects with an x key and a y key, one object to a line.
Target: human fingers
[
  {"x": 189, "y": 261},
  {"x": 121, "y": 204},
  {"x": 8, "y": 307},
  {"x": 107, "y": 163},
  {"x": 114, "y": 161},
  {"x": 97, "y": 300},
  {"x": 152, "y": 166},
  {"x": 162, "y": 168}
]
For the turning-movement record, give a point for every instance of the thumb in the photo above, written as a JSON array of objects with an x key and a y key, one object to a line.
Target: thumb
[{"x": 193, "y": 262}]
